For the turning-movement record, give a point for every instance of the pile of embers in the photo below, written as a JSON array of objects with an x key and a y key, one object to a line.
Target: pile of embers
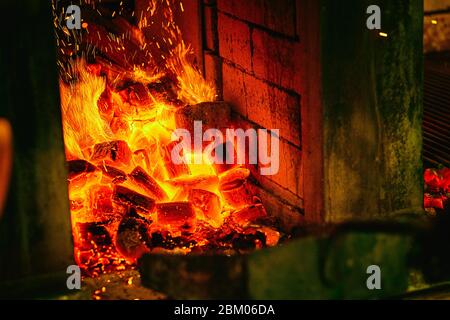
[
  {"x": 123, "y": 224},
  {"x": 123, "y": 205}
]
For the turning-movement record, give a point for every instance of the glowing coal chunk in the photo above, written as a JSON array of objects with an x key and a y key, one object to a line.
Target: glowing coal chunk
[
  {"x": 233, "y": 175},
  {"x": 112, "y": 151},
  {"x": 146, "y": 182},
  {"x": 101, "y": 201},
  {"x": 173, "y": 170},
  {"x": 198, "y": 182},
  {"x": 94, "y": 249},
  {"x": 176, "y": 215},
  {"x": 136, "y": 95},
  {"x": 132, "y": 238},
  {"x": 119, "y": 126},
  {"x": 272, "y": 236},
  {"x": 127, "y": 197},
  {"x": 117, "y": 175},
  {"x": 142, "y": 158},
  {"x": 222, "y": 153},
  {"x": 91, "y": 235},
  {"x": 76, "y": 204},
  {"x": 238, "y": 195},
  {"x": 234, "y": 187},
  {"x": 79, "y": 167},
  {"x": 248, "y": 215},
  {"x": 209, "y": 204},
  {"x": 80, "y": 182}
]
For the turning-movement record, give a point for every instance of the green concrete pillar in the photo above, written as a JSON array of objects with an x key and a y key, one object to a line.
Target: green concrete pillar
[{"x": 372, "y": 88}]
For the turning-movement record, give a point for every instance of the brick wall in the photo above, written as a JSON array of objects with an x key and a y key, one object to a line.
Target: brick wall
[
  {"x": 252, "y": 52},
  {"x": 435, "y": 5}
]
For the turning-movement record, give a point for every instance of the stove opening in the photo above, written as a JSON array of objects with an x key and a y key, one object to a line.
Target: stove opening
[{"x": 157, "y": 163}]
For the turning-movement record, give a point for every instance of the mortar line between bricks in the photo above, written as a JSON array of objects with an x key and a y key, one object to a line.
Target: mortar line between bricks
[
  {"x": 296, "y": 20},
  {"x": 258, "y": 126},
  {"x": 273, "y": 85},
  {"x": 279, "y": 197},
  {"x": 214, "y": 27},
  {"x": 252, "y": 49},
  {"x": 273, "y": 33}
]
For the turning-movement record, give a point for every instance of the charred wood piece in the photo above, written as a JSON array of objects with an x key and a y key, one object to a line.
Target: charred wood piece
[
  {"x": 146, "y": 182},
  {"x": 173, "y": 170},
  {"x": 79, "y": 167},
  {"x": 131, "y": 198},
  {"x": 176, "y": 214},
  {"x": 248, "y": 215},
  {"x": 209, "y": 203},
  {"x": 114, "y": 151},
  {"x": 132, "y": 238},
  {"x": 197, "y": 182},
  {"x": 235, "y": 189},
  {"x": 117, "y": 175}
]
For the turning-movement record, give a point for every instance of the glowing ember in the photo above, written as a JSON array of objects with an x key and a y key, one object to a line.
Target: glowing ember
[{"x": 119, "y": 94}]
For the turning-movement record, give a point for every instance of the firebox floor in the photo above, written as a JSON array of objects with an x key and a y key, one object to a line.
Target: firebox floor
[
  {"x": 436, "y": 292},
  {"x": 125, "y": 285}
]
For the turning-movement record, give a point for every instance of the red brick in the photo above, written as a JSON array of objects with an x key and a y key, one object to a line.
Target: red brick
[
  {"x": 290, "y": 171},
  {"x": 285, "y": 112},
  {"x": 234, "y": 41},
  {"x": 292, "y": 164},
  {"x": 277, "y": 15},
  {"x": 257, "y": 99},
  {"x": 277, "y": 60},
  {"x": 263, "y": 103},
  {"x": 234, "y": 90}
]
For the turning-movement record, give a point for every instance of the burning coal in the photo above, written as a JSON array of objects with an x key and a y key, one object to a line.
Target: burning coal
[{"x": 124, "y": 83}]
